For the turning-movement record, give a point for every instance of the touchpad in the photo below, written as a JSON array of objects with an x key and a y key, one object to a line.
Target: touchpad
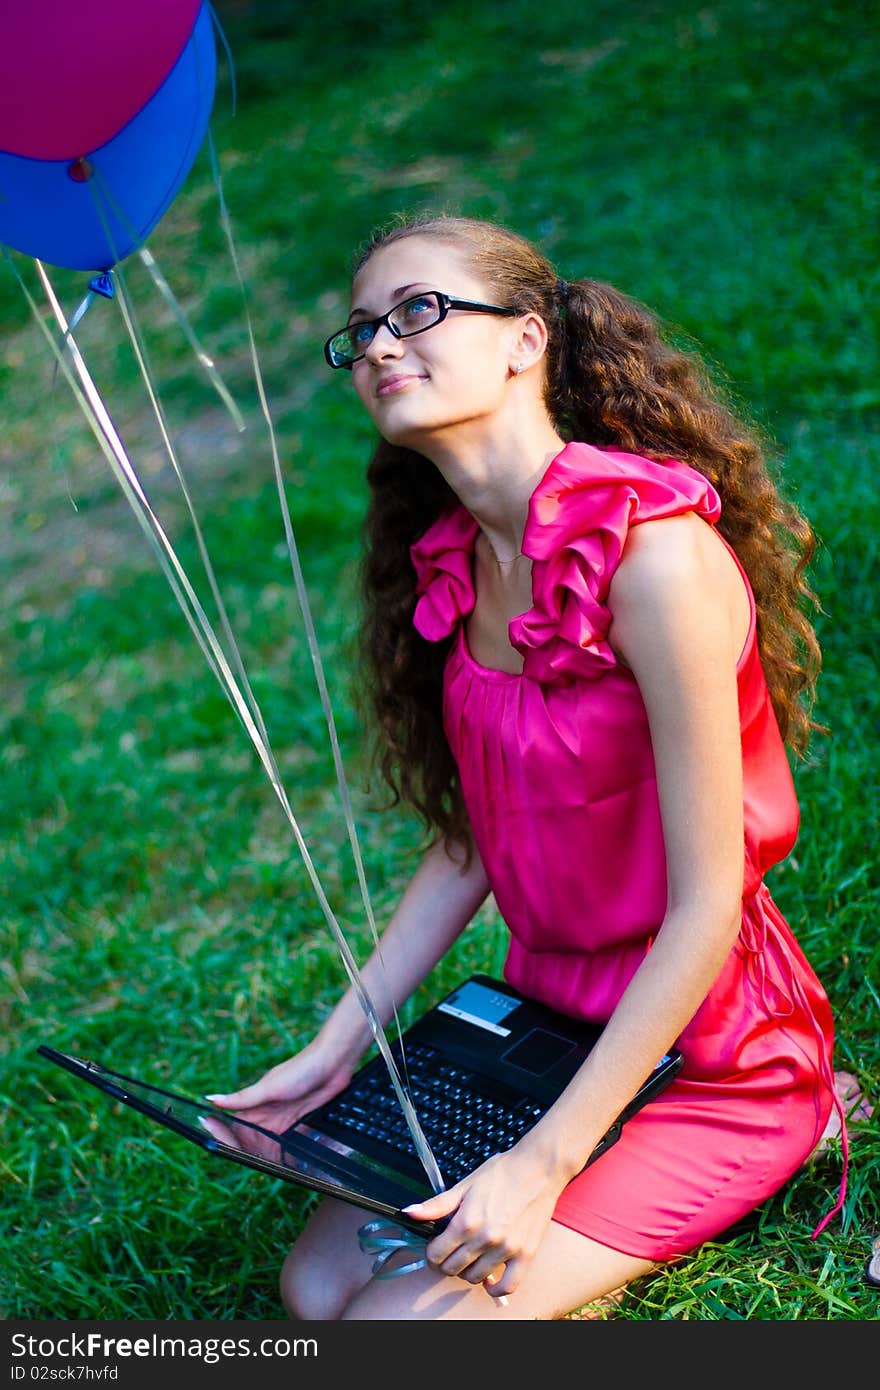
[{"x": 538, "y": 1051}]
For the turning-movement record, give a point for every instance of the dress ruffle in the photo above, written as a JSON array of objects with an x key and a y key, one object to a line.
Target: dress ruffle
[
  {"x": 443, "y": 561},
  {"x": 579, "y": 517}
]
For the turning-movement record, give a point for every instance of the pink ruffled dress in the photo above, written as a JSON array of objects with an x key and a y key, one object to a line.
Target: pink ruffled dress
[{"x": 558, "y": 779}]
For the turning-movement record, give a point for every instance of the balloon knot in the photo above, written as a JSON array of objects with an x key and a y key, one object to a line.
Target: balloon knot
[
  {"x": 103, "y": 284},
  {"x": 81, "y": 170}
]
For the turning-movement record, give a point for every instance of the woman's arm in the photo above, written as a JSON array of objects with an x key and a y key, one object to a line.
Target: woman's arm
[
  {"x": 680, "y": 615},
  {"x": 439, "y": 901}
]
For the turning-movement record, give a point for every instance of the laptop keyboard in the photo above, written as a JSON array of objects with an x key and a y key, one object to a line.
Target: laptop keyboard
[{"x": 463, "y": 1123}]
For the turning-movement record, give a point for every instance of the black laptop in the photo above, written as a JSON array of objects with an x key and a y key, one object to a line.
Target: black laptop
[{"x": 482, "y": 1066}]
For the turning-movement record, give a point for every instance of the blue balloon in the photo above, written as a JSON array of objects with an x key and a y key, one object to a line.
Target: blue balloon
[{"x": 91, "y": 212}]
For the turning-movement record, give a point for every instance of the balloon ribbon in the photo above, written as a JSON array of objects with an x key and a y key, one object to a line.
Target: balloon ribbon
[{"x": 99, "y": 420}]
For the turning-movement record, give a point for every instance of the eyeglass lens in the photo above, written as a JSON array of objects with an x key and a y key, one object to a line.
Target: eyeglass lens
[{"x": 412, "y": 316}]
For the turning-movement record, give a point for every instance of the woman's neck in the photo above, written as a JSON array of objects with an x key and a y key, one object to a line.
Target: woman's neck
[{"x": 494, "y": 476}]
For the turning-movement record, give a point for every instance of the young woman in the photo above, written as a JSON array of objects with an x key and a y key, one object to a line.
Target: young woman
[{"x": 586, "y": 633}]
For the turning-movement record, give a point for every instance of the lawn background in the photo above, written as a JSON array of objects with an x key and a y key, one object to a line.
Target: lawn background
[{"x": 716, "y": 161}]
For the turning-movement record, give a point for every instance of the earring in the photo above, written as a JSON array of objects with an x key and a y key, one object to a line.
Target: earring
[{"x": 518, "y": 368}]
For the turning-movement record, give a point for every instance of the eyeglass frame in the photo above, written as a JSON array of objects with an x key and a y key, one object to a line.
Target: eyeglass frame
[{"x": 446, "y": 302}]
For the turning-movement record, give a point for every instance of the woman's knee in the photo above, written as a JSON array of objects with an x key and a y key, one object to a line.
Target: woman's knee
[
  {"x": 311, "y": 1291},
  {"x": 325, "y": 1267}
]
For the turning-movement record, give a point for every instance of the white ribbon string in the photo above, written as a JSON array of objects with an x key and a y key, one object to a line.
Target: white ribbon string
[
  {"x": 105, "y": 203},
  {"x": 302, "y": 594},
  {"x": 207, "y": 362},
  {"x": 147, "y": 375},
  {"x": 104, "y": 200},
  {"x": 299, "y": 579},
  {"x": 89, "y": 399},
  {"x": 224, "y": 40},
  {"x": 382, "y": 1239}
]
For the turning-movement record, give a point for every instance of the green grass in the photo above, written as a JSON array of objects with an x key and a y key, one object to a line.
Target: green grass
[{"x": 713, "y": 160}]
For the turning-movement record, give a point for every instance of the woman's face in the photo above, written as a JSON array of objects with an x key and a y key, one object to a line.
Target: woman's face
[{"x": 453, "y": 376}]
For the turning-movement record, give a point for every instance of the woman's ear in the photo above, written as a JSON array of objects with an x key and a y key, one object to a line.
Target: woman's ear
[{"x": 529, "y": 342}]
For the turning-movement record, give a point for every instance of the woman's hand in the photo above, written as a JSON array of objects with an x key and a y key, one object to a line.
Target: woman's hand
[
  {"x": 290, "y": 1089},
  {"x": 501, "y": 1213}
]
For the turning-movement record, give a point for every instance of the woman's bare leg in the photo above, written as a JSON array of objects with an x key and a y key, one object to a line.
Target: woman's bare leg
[
  {"x": 326, "y": 1267},
  {"x": 327, "y": 1277},
  {"x": 568, "y": 1271}
]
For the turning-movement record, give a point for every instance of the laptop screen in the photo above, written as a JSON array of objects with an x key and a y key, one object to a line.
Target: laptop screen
[{"x": 281, "y": 1147}]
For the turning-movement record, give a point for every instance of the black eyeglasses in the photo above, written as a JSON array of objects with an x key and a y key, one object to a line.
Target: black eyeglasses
[{"x": 404, "y": 320}]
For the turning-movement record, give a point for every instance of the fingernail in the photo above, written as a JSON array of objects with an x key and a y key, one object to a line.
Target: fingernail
[{"x": 214, "y": 1099}]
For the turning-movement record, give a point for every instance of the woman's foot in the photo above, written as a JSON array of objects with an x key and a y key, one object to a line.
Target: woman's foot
[{"x": 853, "y": 1103}]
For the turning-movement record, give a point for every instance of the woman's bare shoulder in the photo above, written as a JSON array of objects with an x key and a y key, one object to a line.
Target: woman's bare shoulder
[{"x": 679, "y": 565}]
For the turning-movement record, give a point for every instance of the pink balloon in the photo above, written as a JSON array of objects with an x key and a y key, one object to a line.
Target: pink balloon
[{"x": 74, "y": 72}]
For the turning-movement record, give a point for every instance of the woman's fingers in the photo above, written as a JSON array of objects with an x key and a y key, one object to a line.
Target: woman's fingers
[
  {"x": 497, "y": 1274},
  {"x": 467, "y": 1254},
  {"x": 305, "y": 1079},
  {"x": 245, "y": 1098},
  {"x": 505, "y": 1280},
  {"x": 217, "y": 1130},
  {"x": 441, "y": 1204},
  {"x": 239, "y": 1136},
  {"x": 476, "y": 1268}
]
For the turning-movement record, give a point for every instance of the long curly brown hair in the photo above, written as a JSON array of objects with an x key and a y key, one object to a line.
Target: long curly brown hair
[{"x": 612, "y": 380}]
